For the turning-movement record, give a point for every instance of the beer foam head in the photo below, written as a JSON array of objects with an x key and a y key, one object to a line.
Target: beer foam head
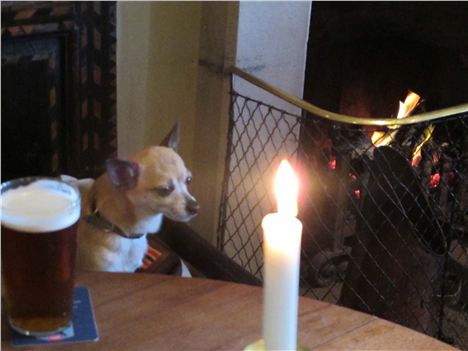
[{"x": 44, "y": 205}]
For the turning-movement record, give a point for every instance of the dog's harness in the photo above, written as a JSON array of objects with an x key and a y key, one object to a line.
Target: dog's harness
[{"x": 99, "y": 221}]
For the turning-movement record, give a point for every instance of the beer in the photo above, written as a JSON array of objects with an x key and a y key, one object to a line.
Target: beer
[{"x": 39, "y": 222}]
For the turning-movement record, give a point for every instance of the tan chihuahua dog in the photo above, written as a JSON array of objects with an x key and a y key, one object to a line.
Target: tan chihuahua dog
[{"x": 129, "y": 201}]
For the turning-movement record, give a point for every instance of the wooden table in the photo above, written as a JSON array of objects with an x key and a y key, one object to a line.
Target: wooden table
[{"x": 158, "y": 312}]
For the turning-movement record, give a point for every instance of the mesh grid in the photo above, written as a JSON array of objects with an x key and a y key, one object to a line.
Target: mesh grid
[{"x": 385, "y": 230}]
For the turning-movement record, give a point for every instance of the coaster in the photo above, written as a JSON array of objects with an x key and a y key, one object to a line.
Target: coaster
[{"x": 83, "y": 327}]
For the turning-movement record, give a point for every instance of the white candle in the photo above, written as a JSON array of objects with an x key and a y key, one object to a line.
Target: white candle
[{"x": 281, "y": 249}]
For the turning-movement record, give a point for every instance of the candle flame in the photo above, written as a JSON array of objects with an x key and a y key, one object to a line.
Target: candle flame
[{"x": 286, "y": 189}]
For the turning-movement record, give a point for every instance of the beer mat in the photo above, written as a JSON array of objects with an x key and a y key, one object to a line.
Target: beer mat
[{"x": 83, "y": 326}]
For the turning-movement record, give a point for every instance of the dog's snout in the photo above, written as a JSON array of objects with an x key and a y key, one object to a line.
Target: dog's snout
[{"x": 192, "y": 206}]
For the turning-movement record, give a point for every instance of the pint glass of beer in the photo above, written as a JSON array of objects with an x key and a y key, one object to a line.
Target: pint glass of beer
[{"x": 39, "y": 220}]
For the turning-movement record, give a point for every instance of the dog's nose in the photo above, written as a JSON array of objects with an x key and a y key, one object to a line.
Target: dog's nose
[{"x": 192, "y": 206}]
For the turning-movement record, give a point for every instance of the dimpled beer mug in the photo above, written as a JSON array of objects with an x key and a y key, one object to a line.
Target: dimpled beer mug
[{"x": 39, "y": 220}]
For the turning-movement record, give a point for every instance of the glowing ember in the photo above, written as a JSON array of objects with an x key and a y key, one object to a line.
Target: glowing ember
[
  {"x": 381, "y": 138},
  {"x": 357, "y": 194},
  {"x": 434, "y": 181},
  {"x": 332, "y": 164}
]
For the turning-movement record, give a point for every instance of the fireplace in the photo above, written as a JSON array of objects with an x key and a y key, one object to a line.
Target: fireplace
[
  {"x": 362, "y": 59},
  {"x": 385, "y": 224}
]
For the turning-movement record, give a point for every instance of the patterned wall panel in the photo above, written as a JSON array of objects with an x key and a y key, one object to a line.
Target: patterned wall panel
[
  {"x": 82, "y": 76},
  {"x": 97, "y": 82}
]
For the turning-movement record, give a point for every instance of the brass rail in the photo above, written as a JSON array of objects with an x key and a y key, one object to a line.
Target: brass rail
[{"x": 422, "y": 117}]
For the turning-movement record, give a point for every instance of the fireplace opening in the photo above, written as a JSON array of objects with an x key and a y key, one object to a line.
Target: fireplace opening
[{"x": 362, "y": 59}]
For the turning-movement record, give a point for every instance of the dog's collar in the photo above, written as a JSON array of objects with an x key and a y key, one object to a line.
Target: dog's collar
[{"x": 99, "y": 221}]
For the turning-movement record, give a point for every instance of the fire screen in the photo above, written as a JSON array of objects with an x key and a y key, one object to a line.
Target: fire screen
[{"x": 384, "y": 209}]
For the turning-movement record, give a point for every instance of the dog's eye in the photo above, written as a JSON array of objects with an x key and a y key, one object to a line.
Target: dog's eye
[
  {"x": 165, "y": 190},
  {"x": 188, "y": 180}
]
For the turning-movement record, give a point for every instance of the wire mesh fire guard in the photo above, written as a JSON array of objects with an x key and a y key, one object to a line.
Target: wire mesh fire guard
[{"x": 384, "y": 209}]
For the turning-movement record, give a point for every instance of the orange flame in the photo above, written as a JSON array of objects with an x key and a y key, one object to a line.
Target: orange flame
[
  {"x": 381, "y": 138},
  {"x": 411, "y": 101},
  {"x": 417, "y": 154}
]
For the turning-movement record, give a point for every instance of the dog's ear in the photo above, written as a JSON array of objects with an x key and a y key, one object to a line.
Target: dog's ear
[
  {"x": 172, "y": 139},
  {"x": 123, "y": 174}
]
